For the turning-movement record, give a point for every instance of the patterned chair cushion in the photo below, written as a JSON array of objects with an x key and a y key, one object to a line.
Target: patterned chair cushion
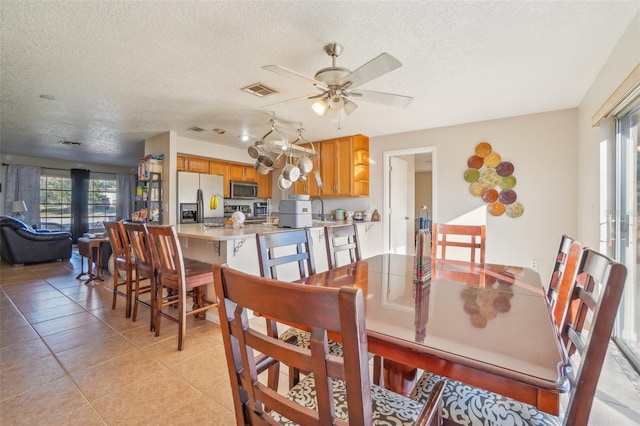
[
  {"x": 471, "y": 406},
  {"x": 389, "y": 408},
  {"x": 303, "y": 339}
]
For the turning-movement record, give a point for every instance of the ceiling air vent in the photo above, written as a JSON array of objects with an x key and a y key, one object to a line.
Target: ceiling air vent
[
  {"x": 259, "y": 90},
  {"x": 196, "y": 129},
  {"x": 71, "y": 143}
]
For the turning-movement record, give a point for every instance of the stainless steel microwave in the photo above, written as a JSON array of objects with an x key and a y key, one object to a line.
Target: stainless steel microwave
[{"x": 247, "y": 190}]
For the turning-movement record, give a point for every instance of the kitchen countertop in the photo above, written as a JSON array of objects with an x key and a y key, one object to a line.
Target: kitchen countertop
[{"x": 227, "y": 233}]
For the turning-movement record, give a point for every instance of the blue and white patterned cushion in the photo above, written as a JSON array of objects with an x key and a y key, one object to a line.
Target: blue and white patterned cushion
[
  {"x": 389, "y": 408},
  {"x": 471, "y": 406},
  {"x": 303, "y": 340}
]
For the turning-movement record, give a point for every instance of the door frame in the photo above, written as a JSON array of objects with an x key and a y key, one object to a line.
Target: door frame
[{"x": 386, "y": 155}]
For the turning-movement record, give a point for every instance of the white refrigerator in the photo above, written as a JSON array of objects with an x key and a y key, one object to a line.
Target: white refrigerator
[{"x": 199, "y": 188}]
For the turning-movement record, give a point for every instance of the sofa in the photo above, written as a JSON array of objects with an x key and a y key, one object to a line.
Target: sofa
[{"x": 21, "y": 244}]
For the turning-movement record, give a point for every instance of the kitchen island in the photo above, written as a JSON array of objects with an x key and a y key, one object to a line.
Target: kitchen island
[{"x": 237, "y": 247}]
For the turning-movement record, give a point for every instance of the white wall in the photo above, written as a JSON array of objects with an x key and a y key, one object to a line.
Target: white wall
[
  {"x": 624, "y": 57},
  {"x": 542, "y": 148}
]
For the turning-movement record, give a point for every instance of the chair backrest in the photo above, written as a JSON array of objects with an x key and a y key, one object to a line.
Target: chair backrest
[
  {"x": 597, "y": 290},
  {"x": 471, "y": 237},
  {"x": 167, "y": 256},
  {"x": 139, "y": 238},
  {"x": 347, "y": 241},
  {"x": 119, "y": 242},
  {"x": 276, "y": 248},
  {"x": 322, "y": 310},
  {"x": 562, "y": 276}
]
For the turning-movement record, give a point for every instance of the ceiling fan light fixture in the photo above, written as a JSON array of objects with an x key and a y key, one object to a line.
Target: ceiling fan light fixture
[
  {"x": 336, "y": 102},
  {"x": 320, "y": 106},
  {"x": 349, "y": 106}
]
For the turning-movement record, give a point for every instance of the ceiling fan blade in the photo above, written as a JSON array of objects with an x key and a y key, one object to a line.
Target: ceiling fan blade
[
  {"x": 300, "y": 98},
  {"x": 292, "y": 74},
  {"x": 373, "y": 69},
  {"x": 381, "y": 98}
]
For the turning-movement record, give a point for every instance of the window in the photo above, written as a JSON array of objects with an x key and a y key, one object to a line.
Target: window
[
  {"x": 55, "y": 201},
  {"x": 102, "y": 201}
]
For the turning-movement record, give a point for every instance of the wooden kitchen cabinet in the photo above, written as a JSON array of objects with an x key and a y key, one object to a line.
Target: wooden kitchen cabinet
[
  {"x": 264, "y": 185},
  {"x": 221, "y": 168},
  {"x": 344, "y": 166},
  {"x": 192, "y": 164},
  {"x": 309, "y": 186},
  {"x": 244, "y": 172}
]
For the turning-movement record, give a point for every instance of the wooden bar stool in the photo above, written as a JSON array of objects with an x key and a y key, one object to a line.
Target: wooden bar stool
[
  {"x": 122, "y": 261},
  {"x": 139, "y": 238},
  {"x": 185, "y": 281}
]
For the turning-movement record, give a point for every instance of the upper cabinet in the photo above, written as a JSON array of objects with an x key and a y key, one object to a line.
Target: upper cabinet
[
  {"x": 217, "y": 167},
  {"x": 309, "y": 185},
  {"x": 344, "y": 168},
  {"x": 264, "y": 185},
  {"x": 245, "y": 172},
  {"x": 192, "y": 164}
]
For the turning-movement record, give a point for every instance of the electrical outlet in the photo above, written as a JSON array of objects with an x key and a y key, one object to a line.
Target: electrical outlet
[{"x": 534, "y": 264}]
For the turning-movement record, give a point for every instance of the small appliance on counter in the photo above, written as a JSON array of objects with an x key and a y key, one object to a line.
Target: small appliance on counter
[
  {"x": 294, "y": 214},
  {"x": 261, "y": 208}
]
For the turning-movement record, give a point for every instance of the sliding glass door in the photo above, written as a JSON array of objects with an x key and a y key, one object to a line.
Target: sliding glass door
[{"x": 624, "y": 232}]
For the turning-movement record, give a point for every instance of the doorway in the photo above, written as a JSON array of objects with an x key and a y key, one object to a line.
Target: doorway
[{"x": 409, "y": 182}]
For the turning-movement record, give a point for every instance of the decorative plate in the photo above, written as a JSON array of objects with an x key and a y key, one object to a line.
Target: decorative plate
[
  {"x": 471, "y": 175},
  {"x": 505, "y": 169},
  {"x": 489, "y": 178},
  {"x": 497, "y": 208},
  {"x": 483, "y": 149},
  {"x": 492, "y": 160},
  {"x": 475, "y": 162},
  {"x": 490, "y": 195},
  {"x": 476, "y": 189},
  {"x": 508, "y": 196},
  {"x": 507, "y": 182},
  {"x": 514, "y": 210}
]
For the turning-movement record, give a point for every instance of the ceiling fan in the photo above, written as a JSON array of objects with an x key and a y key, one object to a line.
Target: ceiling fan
[{"x": 339, "y": 86}]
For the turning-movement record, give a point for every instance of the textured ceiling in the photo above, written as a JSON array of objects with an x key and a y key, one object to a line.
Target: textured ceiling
[{"x": 125, "y": 71}]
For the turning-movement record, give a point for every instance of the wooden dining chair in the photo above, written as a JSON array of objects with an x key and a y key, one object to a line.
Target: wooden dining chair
[
  {"x": 333, "y": 383},
  {"x": 562, "y": 277},
  {"x": 596, "y": 290},
  {"x": 466, "y": 237},
  {"x": 341, "y": 240},
  {"x": 122, "y": 261},
  {"x": 183, "y": 281},
  {"x": 285, "y": 247},
  {"x": 275, "y": 251},
  {"x": 139, "y": 239}
]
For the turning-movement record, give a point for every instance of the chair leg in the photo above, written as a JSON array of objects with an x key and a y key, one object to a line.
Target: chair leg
[
  {"x": 154, "y": 303},
  {"x": 136, "y": 296},
  {"x": 182, "y": 326},
  {"x": 115, "y": 284},
  {"x": 129, "y": 293},
  {"x": 158, "y": 308}
]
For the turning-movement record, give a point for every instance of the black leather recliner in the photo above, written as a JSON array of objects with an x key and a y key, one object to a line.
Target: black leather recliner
[{"x": 19, "y": 243}]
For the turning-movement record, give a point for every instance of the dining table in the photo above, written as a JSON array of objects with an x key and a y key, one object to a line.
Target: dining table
[{"x": 486, "y": 325}]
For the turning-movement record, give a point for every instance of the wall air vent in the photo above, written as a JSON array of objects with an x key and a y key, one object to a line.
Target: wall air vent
[
  {"x": 259, "y": 90},
  {"x": 196, "y": 129}
]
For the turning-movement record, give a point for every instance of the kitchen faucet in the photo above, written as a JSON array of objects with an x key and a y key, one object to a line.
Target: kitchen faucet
[{"x": 321, "y": 206}]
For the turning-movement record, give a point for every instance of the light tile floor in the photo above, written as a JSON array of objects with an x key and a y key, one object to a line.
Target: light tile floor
[{"x": 67, "y": 358}]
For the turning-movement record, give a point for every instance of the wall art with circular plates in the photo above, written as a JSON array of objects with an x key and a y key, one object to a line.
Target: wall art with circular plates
[{"x": 493, "y": 181}]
